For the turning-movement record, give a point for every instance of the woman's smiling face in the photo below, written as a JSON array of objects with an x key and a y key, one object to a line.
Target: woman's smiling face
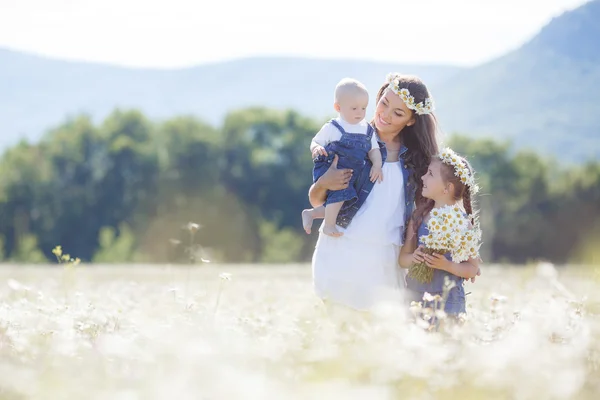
[{"x": 391, "y": 114}]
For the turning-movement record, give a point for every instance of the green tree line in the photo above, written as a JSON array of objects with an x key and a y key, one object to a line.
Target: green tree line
[{"x": 126, "y": 189}]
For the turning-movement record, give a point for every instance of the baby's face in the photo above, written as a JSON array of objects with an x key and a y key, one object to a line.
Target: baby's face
[{"x": 353, "y": 107}]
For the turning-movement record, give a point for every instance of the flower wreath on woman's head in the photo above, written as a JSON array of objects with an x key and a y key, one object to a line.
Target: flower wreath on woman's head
[{"x": 424, "y": 107}]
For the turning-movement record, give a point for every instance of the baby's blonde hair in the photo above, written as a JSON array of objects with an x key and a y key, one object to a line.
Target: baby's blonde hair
[{"x": 349, "y": 87}]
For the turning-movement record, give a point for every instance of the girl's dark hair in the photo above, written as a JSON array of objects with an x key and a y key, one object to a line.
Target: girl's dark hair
[{"x": 461, "y": 192}]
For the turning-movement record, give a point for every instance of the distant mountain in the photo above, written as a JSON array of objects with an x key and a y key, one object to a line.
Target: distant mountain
[
  {"x": 38, "y": 93},
  {"x": 545, "y": 95}
]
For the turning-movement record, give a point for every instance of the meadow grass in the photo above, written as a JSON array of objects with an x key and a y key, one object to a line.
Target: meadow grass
[{"x": 166, "y": 332}]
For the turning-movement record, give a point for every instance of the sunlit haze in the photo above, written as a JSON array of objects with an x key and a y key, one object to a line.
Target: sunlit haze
[{"x": 178, "y": 33}]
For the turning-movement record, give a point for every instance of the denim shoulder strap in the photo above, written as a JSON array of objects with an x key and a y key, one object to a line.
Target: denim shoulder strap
[
  {"x": 370, "y": 131},
  {"x": 335, "y": 123}
]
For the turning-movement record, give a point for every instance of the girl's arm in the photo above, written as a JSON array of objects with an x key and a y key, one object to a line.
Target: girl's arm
[
  {"x": 333, "y": 179},
  {"x": 466, "y": 269},
  {"x": 409, "y": 253}
]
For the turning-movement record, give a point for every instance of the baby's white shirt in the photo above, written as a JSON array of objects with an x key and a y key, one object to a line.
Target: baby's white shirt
[{"x": 330, "y": 133}]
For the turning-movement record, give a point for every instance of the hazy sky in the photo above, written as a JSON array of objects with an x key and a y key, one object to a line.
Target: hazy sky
[{"x": 175, "y": 33}]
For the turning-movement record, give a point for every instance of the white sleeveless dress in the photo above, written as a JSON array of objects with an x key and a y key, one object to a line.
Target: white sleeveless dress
[{"x": 360, "y": 269}]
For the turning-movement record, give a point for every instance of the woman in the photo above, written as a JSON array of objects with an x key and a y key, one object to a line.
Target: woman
[{"x": 359, "y": 269}]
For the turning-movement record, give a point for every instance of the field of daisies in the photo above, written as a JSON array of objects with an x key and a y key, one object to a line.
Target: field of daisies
[{"x": 258, "y": 332}]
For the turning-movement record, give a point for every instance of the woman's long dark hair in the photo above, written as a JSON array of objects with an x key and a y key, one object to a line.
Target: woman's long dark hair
[{"x": 420, "y": 138}]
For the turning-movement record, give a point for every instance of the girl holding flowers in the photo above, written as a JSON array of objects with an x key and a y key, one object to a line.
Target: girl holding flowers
[{"x": 442, "y": 241}]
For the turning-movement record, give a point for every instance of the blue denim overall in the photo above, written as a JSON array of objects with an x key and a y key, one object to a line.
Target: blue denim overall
[
  {"x": 455, "y": 303},
  {"x": 352, "y": 150},
  {"x": 363, "y": 186}
]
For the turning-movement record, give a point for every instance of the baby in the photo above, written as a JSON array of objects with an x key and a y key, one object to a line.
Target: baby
[{"x": 352, "y": 139}]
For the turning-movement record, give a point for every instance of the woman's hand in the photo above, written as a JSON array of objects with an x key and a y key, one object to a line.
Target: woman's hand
[
  {"x": 437, "y": 261},
  {"x": 334, "y": 178}
]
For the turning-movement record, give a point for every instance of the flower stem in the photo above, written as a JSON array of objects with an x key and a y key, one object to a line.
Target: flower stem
[{"x": 421, "y": 272}]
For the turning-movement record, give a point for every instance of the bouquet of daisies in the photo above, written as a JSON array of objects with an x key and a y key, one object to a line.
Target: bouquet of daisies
[{"x": 449, "y": 231}]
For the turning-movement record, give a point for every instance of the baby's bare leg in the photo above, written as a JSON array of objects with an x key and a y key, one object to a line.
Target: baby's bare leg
[
  {"x": 309, "y": 215},
  {"x": 331, "y": 212}
]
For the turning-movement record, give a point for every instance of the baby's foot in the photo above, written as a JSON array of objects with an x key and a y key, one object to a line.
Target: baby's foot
[
  {"x": 307, "y": 220},
  {"x": 331, "y": 230}
]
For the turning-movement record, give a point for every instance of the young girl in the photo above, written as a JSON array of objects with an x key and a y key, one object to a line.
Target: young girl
[{"x": 448, "y": 181}]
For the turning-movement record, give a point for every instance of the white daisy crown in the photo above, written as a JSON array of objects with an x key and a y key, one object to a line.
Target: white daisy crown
[
  {"x": 424, "y": 107},
  {"x": 449, "y": 157}
]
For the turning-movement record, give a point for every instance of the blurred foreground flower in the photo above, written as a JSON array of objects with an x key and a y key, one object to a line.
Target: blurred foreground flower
[
  {"x": 546, "y": 270},
  {"x": 225, "y": 276},
  {"x": 194, "y": 250},
  {"x": 497, "y": 298},
  {"x": 193, "y": 227},
  {"x": 65, "y": 258}
]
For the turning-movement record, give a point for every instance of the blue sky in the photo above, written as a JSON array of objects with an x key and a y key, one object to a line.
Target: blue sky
[{"x": 179, "y": 33}]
